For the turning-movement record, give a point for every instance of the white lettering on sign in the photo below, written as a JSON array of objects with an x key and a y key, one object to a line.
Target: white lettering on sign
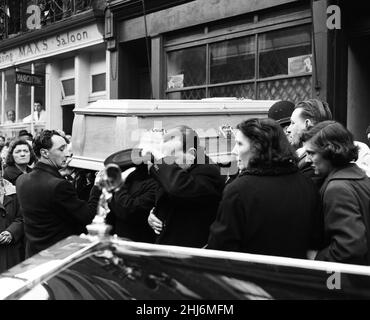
[{"x": 34, "y": 20}]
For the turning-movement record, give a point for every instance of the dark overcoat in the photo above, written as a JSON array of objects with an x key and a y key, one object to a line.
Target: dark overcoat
[
  {"x": 131, "y": 205},
  {"x": 11, "y": 173},
  {"x": 11, "y": 220},
  {"x": 51, "y": 208},
  {"x": 346, "y": 206},
  {"x": 270, "y": 212},
  {"x": 187, "y": 201},
  {"x": 306, "y": 169}
]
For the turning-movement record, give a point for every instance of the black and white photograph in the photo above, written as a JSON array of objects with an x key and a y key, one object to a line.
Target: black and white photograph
[{"x": 184, "y": 154}]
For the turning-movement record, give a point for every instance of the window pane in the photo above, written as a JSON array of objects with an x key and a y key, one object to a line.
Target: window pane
[
  {"x": 186, "y": 67},
  {"x": 24, "y": 101},
  {"x": 40, "y": 91},
  {"x": 69, "y": 87},
  {"x": 98, "y": 82},
  {"x": 1, "y": 95},
  {"x": 240, "y": 91},
  {"x": 232, "y": 60},
  {"x": 292, "y": 89},
  {"x": 188, "y": 94},
  {"x": 24, "y": 93},
  {"x": 283, "y": 48},
  {"x": 9, "y": 92}
]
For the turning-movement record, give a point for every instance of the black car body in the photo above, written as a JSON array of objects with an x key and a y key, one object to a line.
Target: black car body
[{"x": 109, "y": 268}]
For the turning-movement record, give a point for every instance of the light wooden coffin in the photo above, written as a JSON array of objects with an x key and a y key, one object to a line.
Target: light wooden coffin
[{"x": 107, "y": 126}]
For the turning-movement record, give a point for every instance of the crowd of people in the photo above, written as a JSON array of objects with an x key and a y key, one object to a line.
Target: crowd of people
[{"x": 302, "y": 190}]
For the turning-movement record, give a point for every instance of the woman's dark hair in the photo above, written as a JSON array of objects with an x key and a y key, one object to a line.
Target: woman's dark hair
[
  {"x": 333, "y": 141},
  {"x": 269, "y": 143},
  {"x": 9, "y": 160},
  {"x": 43, "y": 141}
]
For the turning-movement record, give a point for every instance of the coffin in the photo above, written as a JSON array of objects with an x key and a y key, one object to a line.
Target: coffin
[{"x": 108, "y": 126}]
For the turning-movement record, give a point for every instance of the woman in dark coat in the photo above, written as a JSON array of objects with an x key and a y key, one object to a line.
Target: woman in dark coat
[
  {"x": 270, "y": 208},
  {"x": 345, "y": 193},
  {"x": 11, "y": 228},
  {"x": 20, "y": 156}
]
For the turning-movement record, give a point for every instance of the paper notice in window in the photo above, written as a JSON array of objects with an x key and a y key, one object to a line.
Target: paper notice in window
[
  {"x": 300, "y": 64},
  {"x": 176, "y": 81}
]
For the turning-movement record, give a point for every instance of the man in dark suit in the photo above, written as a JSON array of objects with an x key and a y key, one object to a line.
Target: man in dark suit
[
  {"x": 50, "y": 205},
  {"x": 190, "y": 190}
]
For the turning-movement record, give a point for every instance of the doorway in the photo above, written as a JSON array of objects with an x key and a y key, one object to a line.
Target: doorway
[
  {"x": 135, "y": 82},
  {"x": 358, "y": 112}
]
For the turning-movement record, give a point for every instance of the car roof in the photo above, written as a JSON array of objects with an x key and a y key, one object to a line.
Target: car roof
[{"x": 27, "y": 275}]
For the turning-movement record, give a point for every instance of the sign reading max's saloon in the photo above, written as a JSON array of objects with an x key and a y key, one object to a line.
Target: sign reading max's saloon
[{"x": 59, "y": 43}]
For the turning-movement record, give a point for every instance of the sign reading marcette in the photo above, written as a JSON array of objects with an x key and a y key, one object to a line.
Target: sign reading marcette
[
  {"x": 61, "y": 42},
  {"x": 29, "y": 79}
]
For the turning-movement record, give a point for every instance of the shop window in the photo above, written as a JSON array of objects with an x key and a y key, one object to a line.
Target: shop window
[
  {"x": 232, "y": 60},
  {"x": 24, "y": 108},
  {"x": 186, "y": 68},
  {"x": 68, "y": 87},
  {"x": 285, "y": 52},
  {"x": 236, "y": 90},
  {"x": 40, "y": 91},
  {"x": 188, "y": 94},
  {"x": 16, "y": 102},
  {"x": 276, "y": 64},
  {"x": 291, "y": 89},
  {"x": 98, "y": 82},
  {"x": 25, "y": 105},
  {"x": 24, "y": 95},
  {"x": 1, "y": 96},
  {"x": 9, "y": 90}
]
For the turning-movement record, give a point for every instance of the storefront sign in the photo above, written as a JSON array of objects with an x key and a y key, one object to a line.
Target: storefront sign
[
  {"x": 29, "y": 79},
  {"x": 61, "y": 42}
]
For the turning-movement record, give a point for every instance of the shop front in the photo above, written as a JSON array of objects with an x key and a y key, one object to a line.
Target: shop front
[
  {"x": 17, "y": 98},
  {"x": 202, "y": 49},
  {"x": 44, "y": 77}
]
